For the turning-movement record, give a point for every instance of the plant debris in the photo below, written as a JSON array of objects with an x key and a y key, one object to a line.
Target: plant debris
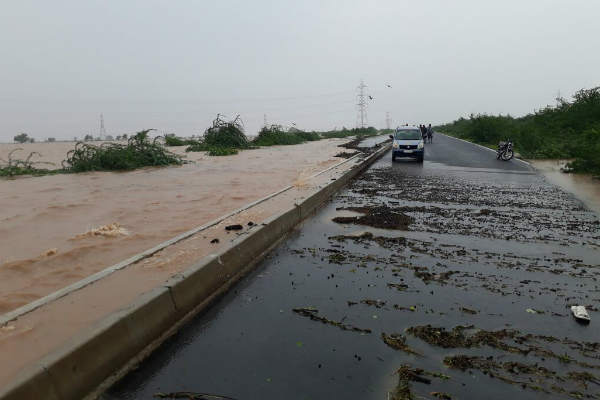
[
  {"x": 382, "y": 217},
  {"x": 375, "y": 303},
  {"x": 345, "y": 154},
  {"x": 398, "y": 342},
  {"x": 191, "y": 396},
  {"x": 312, "y": 314},
  {"x": 537, "y": 378},
  {"x": 441, "y": 395},
  {"x": 406, "y": 374}
]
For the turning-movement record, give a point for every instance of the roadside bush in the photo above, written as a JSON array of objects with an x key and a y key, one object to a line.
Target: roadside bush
[
  {"x": 222, "y": 138},
  {"x": 308, "y": 136},
  {"x": 172, "y": 140},
  {"x": 221, "y": 151},
  {"x": 567, "y": 130},
  {"x": 14, "y": 167},
  {"x": 138, "y": 152},
  {"x": 228, "y": 134},
  {"x": 275, "y": 135},
  {"x": 359, "y": 132}
]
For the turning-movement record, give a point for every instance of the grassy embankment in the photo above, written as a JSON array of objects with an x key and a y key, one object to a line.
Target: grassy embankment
[{"x": 569, "y": 130}]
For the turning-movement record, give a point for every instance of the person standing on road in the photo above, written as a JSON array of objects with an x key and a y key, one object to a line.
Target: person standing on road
[{"x": 430, "y": 133}]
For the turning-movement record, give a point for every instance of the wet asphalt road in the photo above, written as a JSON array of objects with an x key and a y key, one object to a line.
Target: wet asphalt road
[{"x": 484, "y": 244}]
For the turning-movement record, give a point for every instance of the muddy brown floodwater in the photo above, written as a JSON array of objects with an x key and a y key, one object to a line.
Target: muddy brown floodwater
[
  {"x": 58, "y": 229},
  {"x": 583, "y": 186}
]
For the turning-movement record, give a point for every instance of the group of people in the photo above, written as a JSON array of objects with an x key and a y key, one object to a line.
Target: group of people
[{"x": 426, "y": 133}]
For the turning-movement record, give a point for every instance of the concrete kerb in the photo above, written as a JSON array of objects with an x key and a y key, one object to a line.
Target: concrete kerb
[
  {"x": 30, "y": 384},
  {"x": 310, "y": 204},
  {"x": 74, "y": 369},
  {"x": 91, "y": 357}
]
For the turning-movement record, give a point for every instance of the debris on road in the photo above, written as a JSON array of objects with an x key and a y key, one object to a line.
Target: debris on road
[
  {"x": 312, "y": 313},
  {"x": 191, "y": 396},
  {"x": 398, "y": 342},
  {"x": 580, "y": 313},
  {"x": 378, "y": 217}
]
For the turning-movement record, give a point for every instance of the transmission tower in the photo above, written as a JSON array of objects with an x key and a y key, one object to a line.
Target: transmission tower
[
  {"x": 361, "y": 117},
  {"x": 388, "y": 121},
  {"x": 558, "y": 99},
  {"x": 265, "y": 117},
  {"x": 102, "y": 129}
]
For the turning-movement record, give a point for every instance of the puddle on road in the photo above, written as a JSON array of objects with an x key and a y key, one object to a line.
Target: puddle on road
[{"x": 583, "y": 187}]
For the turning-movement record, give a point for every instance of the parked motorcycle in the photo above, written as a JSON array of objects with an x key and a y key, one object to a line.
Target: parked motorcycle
[{"x": 505, "y": 150}]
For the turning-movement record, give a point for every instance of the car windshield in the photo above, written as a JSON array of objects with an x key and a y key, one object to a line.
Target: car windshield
[{"x": 407, "y": 134}]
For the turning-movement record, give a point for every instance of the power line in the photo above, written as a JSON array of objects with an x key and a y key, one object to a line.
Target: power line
[{"x": 361, "y": 117}]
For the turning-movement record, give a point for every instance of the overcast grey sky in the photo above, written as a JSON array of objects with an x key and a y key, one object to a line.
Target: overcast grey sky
[{"x": 173, "y": 65}]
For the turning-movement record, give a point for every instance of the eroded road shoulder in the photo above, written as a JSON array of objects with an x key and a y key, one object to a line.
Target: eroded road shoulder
[{"x": 446, "y": 280}]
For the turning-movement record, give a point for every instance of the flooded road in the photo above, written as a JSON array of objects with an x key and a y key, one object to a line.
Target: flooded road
[
  {"x": 61, "y": 228},
  {"x": 585, "y": 187},
  {"x": 450, "y": 279}
]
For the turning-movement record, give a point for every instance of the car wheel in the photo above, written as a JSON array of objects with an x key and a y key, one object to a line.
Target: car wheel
[
  {"x": 420, "y": 159},
  {"x": 393, "y": 158}
]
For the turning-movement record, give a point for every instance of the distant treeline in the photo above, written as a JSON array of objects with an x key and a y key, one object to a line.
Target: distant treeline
[{"x": 570, "y": 129}]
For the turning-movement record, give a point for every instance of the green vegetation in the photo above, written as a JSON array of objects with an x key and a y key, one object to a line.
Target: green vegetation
[
  {"x": 358, "y": 132},
  {"x": 22, "y": 138},
  {"x": 275, "y": 135},
  {"x": 138, "y": 152},
  {"x": 14, "y": 167},
  {"x": 221, "y": 151},
  {"x": 570, "y": 129},
  {"x": 227, "y": 137},
  {"x": 229, "y": 134},
  {"x": 172, "y": 140},
  {"x": 306, "y": 136},
  {"x": 223, "y": 138}
]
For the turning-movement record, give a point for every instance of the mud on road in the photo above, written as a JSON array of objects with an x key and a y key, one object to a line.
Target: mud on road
[{"x": 431, "y": 281}]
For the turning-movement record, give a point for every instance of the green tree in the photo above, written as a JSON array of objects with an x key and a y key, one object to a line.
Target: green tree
[{"x": 22, "y": 138}]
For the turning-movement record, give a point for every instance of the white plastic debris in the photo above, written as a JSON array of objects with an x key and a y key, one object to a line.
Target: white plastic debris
[{"x": 580, "y": 313}]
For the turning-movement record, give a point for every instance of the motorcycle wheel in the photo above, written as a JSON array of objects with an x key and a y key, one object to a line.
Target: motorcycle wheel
[{"x": 507, "y": 155}]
